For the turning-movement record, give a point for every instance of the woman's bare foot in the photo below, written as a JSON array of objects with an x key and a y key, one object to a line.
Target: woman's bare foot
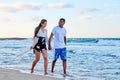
[
  {"x": 45, "y": 73},
  {"x": 32, "y": 71}
]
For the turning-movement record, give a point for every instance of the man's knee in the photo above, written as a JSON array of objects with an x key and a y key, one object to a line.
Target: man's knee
[{"x": 64, "y": 60}]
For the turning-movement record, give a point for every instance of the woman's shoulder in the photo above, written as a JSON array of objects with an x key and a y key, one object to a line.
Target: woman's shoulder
[{"x": 45, "y": 30}]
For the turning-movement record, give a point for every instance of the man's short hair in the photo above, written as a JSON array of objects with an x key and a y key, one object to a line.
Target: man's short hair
[{"x": 62, "y": 19}]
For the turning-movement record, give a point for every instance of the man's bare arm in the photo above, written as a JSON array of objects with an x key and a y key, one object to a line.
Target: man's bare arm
[
  {"x": 49, "y": 41},
  {"x": 65, "y": 40}
]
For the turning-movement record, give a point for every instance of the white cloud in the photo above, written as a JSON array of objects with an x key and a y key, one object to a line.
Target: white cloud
[
  {"x": 88, "y": 10},
  {"x": 7, "y": 8},
  {"x": 116, "y": 5},
  {"x": 36, "y": 19},
  {"x": 28, "y": 6},
  {"x": 6, "y": 19},
  {"x": 84, "y": 14},
  {"x": 19, "y": 6},
  {"x": 112, "y": 16},
  {"x": 106, "y": 5},
  {"x": 86, "y": 17},
  {"x": 60, "y": 5}
]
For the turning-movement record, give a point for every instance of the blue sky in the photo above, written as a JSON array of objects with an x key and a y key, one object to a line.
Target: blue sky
[{"x": 84, "y": 18}]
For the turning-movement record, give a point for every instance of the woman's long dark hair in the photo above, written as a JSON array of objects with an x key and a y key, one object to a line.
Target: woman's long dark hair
[{"x": 39, "y": 26}]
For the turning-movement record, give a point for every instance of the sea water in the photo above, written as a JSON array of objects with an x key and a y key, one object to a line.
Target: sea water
[{"x": 87, "y": 58}]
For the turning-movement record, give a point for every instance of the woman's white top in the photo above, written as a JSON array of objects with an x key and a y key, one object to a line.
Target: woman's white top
[{"x": 40, "y": 34}]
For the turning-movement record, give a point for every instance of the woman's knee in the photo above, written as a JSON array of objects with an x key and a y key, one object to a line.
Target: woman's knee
[
  {"x": 37, "y": 56},
  {"x": 45, "y": 55},
  {"x": 45, "y": 58},
  {"x": 36, "y": 60}
]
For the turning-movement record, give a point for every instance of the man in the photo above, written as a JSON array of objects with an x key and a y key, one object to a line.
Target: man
[{"x": 59, "y": 33}]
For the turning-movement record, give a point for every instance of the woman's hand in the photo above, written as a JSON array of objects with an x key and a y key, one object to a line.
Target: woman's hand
[{"x": 31, "y": 47}]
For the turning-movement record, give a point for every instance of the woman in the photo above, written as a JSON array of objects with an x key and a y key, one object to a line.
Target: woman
[{"x": 39, "y": 45}]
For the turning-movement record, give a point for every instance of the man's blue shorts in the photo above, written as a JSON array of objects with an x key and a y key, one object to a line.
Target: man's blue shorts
[{"x": 60, "y": 52}]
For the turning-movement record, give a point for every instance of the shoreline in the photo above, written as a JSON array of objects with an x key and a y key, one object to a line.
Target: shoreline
[
  {"x": 10, "y": 74},
  {"x": 14, "y": 38}
]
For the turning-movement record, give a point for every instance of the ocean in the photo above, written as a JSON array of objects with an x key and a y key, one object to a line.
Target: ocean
[{"x": 87, "y": 58}]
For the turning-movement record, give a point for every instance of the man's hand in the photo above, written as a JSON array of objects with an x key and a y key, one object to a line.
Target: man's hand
[{"x": 49, "y": 42}]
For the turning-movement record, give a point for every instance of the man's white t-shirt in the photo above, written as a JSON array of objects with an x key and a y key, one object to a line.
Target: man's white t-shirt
[{"x": 59, "y": 34}]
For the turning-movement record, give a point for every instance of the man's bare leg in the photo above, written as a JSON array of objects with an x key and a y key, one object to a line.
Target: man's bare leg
[{"x": 53, "y": 65}]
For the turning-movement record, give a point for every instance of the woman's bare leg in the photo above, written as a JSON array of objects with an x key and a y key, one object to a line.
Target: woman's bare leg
[
  {"x": 45, "y": 56},
  {"x": 37, "y": 58}
]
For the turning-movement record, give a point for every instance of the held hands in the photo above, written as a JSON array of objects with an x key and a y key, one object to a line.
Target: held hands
[{"x": 49, "y": 48}]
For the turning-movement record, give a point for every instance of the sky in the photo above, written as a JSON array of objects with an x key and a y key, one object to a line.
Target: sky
[{"x": 84, "y": 18}]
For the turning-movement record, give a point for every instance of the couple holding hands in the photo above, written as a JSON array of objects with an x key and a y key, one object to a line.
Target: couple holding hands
[{"x": 39, "y": 44}]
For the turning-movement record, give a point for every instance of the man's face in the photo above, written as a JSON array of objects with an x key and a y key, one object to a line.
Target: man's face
[{"x": 61, "y": 23}]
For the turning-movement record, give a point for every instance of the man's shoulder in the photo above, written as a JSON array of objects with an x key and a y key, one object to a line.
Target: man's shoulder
[
  {"x": 64, "y": 28},
  {"x": 56, "y": 27}
]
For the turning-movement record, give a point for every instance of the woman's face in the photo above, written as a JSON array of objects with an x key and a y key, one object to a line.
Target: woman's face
[{"x": 44, "y": 24}]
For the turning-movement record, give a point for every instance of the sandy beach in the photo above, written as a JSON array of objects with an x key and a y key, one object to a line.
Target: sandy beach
[{"x": 8, "y": 74}]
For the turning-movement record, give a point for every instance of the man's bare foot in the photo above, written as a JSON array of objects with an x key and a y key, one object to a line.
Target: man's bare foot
[
  {"x": 64, "y": 75},
  {"x": 52, "y": 71}
]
